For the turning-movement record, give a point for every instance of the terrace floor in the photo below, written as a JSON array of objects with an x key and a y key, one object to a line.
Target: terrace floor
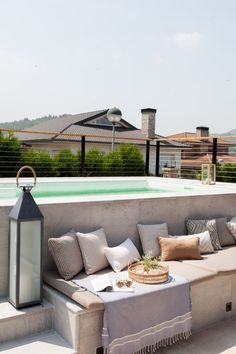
[{"x": 217, "y": 339}]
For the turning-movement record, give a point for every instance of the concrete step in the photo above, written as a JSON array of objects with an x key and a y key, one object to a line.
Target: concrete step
[
  {"x": 46, "y": 343},
  {"x": 16, "y": 324}
]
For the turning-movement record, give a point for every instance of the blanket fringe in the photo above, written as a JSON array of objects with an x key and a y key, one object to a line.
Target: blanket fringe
[{"x": 164, "y": 343}]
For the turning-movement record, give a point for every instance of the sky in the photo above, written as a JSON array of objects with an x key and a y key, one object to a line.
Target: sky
[{"x": 74, "y": 56}]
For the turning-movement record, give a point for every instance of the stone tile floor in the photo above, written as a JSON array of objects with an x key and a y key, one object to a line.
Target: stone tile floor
[{"x": 217, "y": 339}]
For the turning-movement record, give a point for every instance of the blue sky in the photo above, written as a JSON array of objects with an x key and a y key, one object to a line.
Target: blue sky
[{"x": 72, "y": 56}]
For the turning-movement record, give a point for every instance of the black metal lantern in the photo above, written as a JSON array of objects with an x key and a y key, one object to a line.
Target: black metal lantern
[{"x": 25, "y": 248}]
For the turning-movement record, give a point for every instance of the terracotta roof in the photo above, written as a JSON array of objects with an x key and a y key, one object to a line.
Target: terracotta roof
[
  {"x": 192, "y": 138},
  {"x": 197, "y": 162}
]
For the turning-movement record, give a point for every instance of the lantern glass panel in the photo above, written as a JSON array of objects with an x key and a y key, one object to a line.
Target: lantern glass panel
[
  {"x": 12, "y": 270},
  {"x": 30, "y": 265}
]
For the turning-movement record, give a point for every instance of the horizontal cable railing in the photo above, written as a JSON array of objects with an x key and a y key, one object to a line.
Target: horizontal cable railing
[{"x": 58, "y": 154}]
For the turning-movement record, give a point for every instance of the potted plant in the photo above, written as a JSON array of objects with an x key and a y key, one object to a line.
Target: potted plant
[{"x": 148, "y": 269}]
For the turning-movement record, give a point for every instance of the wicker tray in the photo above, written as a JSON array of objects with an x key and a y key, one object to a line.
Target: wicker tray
[{"x": 154, "y": 276}]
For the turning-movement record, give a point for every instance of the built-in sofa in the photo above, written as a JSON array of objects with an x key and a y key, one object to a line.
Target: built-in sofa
[{"x": 79, "y": 313}]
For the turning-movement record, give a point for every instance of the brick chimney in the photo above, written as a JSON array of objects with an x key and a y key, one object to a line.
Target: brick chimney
[
  {"x": 202, "y": 132},
  {"x": 148, "y": 122}
]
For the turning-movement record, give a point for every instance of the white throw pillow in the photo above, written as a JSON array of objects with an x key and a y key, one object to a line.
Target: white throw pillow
[
  {"x": 120, "y": 256},
  {"x": 205, "y": 244},
  {"x": 148, "y": 236},
  {"x": 92, "y": 248},
  {"x": 232, "y": 226}
]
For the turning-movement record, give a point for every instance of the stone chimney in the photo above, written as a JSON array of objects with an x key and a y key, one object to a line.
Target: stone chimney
[
  {"x": 148, "y": 122},
  {"x": 202, "y": 132}
]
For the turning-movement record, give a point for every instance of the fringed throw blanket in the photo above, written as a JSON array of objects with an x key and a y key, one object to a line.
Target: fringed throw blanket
[{"x": 153, "y": 316}]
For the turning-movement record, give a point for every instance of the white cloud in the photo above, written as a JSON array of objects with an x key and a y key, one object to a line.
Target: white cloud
[{"x": 187, "y": 39}]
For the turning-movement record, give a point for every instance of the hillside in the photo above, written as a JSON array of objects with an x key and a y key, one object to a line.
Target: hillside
[{"x": 26, "y": 122}]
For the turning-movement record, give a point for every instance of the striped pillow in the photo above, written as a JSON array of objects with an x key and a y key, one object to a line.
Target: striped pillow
[
  {"x": 198, "y": 226},
  {"x": 66, "y": 254}
]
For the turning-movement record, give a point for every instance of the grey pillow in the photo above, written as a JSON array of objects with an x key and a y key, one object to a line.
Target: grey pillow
[
  {"x": 66, "y": 254},
  {"x": 92, "y": 248},
  {"x": 198, "y": 226},
  {"x": 225, "y": 236},
  {"x": 148, "y": 236}
]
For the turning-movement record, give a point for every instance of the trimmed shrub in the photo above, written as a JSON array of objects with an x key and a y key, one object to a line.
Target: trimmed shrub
[
  {"x": 41, "y": 161},
  {"x": 66, "y": 164},
  {"x": 133, "y": 164},
  {"x": 113, "y": 164},
  {"x": 94, "y": 160}
]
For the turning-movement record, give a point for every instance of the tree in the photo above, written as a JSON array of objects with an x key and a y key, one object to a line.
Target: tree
[{"x": 10, "y": 155}]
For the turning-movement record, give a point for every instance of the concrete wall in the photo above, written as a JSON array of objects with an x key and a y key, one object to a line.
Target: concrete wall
[{"x": 118, "y": 218}]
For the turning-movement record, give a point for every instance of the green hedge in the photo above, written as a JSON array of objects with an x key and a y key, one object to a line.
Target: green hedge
[{"x": 125, "y": 161}]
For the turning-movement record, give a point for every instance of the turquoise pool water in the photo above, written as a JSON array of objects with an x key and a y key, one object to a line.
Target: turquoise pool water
[{"x": 77, "y": 188}]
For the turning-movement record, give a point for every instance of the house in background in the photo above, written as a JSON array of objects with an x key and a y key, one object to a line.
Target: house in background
[
  {"x": 200, "y": 147},
  {"x": 97, "y": 130}
]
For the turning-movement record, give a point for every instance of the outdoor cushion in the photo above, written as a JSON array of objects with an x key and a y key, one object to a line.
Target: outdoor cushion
[
  {"x": 120, "y": 256},
  {"x": 223, "y": 261},
  {"x": 92, "y": 302},
  {"x": 175, "y": 249},
  {"x": 205, "y": 245},
  {"x": 198, "y": 226},
  {"x": 192, "y": 273},
  {"x": 92, "y": 248},
  {"x": 66, "y": 254},
  {"x": 148, "y": 236},
  {"x": 225, "y": 236},
  {"x": 232, "y": 226},
  {"x": 73, "y": 291}
]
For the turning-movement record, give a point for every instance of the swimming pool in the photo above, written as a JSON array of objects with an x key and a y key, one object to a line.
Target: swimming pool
[
  {"x": 80, "y": 187},
  {"x": 105, "y": 188}
]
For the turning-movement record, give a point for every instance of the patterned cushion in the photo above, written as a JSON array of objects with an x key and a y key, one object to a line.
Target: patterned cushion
[
  {"x": 198, "y": 226},
  {"x": 205, "y": 245},
  {"x": 66, "y": 254}
]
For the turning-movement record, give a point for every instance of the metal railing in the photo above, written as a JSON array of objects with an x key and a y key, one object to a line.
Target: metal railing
[{"x": 59, "y": 154}]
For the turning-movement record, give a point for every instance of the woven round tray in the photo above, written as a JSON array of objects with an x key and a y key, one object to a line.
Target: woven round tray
[{"x": 154, "y": 276}]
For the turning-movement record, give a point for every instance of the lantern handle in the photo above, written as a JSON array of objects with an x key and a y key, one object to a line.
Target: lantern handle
[{"x": 25, "y": 168}]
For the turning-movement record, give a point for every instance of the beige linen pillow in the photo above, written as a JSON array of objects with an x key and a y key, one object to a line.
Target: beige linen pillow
[
  {"x": 205, "y": 245},
  {"x": 148, "y": 236},
  {"x": 92, "y": 248},
  {"x": 120, "y": 256},
  {"x": 174, "y": 249},
  {"x": 66, "y": 254}
]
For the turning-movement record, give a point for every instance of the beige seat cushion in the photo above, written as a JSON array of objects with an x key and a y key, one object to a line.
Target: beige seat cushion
[
  {"x": 73, "y": 291},
  {"x": 91, "y": 301},
  {"x": 66, "y": 254},
  {"x": 192, "y": 273},
  {"x": 223, "y": 261}
]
